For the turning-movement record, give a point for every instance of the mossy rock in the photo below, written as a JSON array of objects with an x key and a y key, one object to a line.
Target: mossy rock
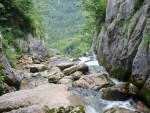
[
  {"x": 117, "y": 92},
  {"x": 34, "y": 70},
  {"x": 145, "y": 95},
  {"x": 53, "y": 80},
  {"x": 70, "y": 109},
  {"x": 119, "y": 72}
]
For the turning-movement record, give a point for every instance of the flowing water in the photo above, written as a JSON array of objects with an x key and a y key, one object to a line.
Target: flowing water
[{"x": 94, "y": 102}]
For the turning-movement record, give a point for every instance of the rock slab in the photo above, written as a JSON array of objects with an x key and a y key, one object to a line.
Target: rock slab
[{"x": 34, "y": 100}]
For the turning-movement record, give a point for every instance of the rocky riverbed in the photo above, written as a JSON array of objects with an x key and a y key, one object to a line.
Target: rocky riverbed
[{"x": 60, "y": 84}]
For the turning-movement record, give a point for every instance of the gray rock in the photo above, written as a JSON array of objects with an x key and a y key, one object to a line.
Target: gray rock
[
  {"x": 31, "y": 81},
  {"x": 13, "y": 77},
  {"x": 34, "y": 45},
  {"x": 65, "y": 65},
  {"x": 55, "y": 75},
  {"x": 94, "y": 81},
  {"x": 81, "y": 67},
  {"x": 54, "y": 61},
  {"x": 77, "y": 75},
  {"x": 122, "y": 45},
  {"x": 35, "y": 100},
  {"x": 65, "y": 80},
  {"x": 141, "y": 66}
]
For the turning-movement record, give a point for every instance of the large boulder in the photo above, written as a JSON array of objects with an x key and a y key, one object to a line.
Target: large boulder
[
  {"x": 35, "y": 100},
  {"x": 94, "y": 81}
]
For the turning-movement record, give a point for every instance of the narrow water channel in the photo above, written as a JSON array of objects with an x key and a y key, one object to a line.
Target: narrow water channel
[{"x": 92, "y": 99}]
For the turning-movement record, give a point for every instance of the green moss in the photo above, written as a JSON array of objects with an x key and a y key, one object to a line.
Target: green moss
[
  {"x": 145, "y": 95},
  {"x": 2, "y": 77},
  {"x": 146, "y": 42},
  {"x": 53, "y": 80},
  {"x": 137, "y": 5},
  {"x": 69, "y": 109},
  {"x": 118, "y": 73},
  {"x": 43, "y": 68}
]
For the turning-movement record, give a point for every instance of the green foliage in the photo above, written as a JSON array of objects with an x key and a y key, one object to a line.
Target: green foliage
[
  {"x": 21, "y": 17},
  {"x": 11, "y": 56},
  {"x": 146, "y": 42},
  {"x": 2, "y": 77},
  {"x": 63, "y": 26},
  {"x": 70, "y": 32},
  {"x": 95, "y": 8},
  {"x": 70, "y": 109},
  {"x": 18, "y": 18},
  {"x": 73, "y": 46}
]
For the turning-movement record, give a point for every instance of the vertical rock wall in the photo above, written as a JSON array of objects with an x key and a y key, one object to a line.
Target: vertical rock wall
[{"x": 123, "y": 44}]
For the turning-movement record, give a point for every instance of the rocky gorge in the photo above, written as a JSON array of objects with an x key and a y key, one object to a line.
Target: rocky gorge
[
  {"x": 52, "y": 83},
  {"x": 59, "y": 84}
]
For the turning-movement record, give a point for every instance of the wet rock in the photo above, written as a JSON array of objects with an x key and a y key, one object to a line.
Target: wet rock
[
  {"x": 94, "y": 81},
  {"x": 96, "y": 69},
  {"x": 76, "y": 75},
  {"x": 142, "y": 107},
  {"x": 81, "y": 67},
  {"x": 35, "y": 100},
  {"x": 65, "y": 65},
  {"x": 133, "y": 90},
  {"x": 119, "y": 110},
  {"x": 145, "y": 92},
  {"x": 117, "y": 92}
]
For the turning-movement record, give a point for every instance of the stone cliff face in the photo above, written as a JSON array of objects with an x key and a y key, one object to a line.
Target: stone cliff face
[
  {"x": 123, "y": 44},
  {"x": 34, "y": 45}
]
